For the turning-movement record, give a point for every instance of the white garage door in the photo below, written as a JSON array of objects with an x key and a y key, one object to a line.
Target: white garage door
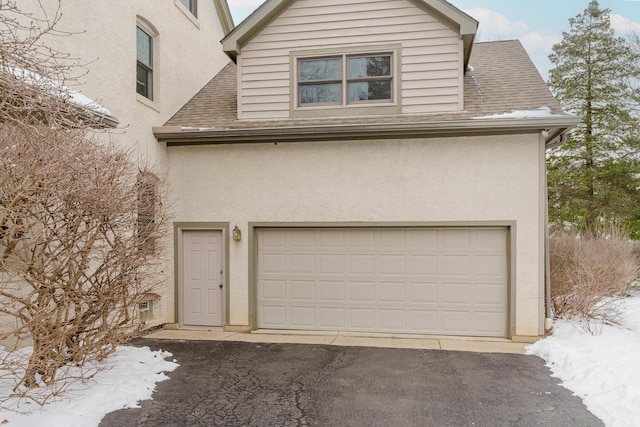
[{"x": 445, "y": 281}]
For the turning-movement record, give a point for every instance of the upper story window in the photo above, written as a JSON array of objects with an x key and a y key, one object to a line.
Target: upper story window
[
  {"x": 144, "y": 70},
  {"x": 191, "y": 5},
  {"x": 345, "y": 79}
]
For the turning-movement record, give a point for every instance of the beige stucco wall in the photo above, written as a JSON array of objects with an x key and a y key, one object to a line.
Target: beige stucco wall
[{"x": 463, "y": 179}]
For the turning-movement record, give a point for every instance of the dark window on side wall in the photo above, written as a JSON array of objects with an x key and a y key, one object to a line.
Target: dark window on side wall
[
  {"x": 192, "y": 5},
  {"x": 345, "y": 79},
  {"x": 144, "y": 71}
]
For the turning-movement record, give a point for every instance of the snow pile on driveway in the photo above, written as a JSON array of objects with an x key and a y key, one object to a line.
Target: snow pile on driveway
[
  {"x": 603, "y": 369},
  {"x": 125, "y": 378}
]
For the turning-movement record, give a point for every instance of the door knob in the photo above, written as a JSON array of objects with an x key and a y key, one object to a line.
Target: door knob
[{"x": 220, "y": 285}]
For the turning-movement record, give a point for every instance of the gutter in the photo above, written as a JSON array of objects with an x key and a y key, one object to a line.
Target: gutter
[
  {"x": 555, "y": 126},
  {"x": 108, "y": 121}
]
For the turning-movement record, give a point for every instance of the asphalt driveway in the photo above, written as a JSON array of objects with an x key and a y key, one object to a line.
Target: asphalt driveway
[{"x": 247, "y": 384}]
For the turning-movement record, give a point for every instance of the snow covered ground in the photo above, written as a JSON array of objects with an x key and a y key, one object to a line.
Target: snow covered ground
[
  {"x": 128, "y": 376},
  {"x": 602, "y": 369}
]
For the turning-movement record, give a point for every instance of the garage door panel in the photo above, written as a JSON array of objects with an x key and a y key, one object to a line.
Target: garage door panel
[
  {"x": 392, "y": 238},
  {"x": 490, "y": 294},
  {"x": 393, "y": 320},
  {"x": 331, "y": 239},
  {"x": 391, "y": 264},
  {"x": 332, "y": 317},
  {"x": 456, "y": 322},
  {"x": 364, "y": 238},
  {"x": 423, "y": 293},
  {"x": 424, "y": 239},
  {"x": 488, "y": 239},
  {"x": 489, "y": 265},
  {"x": 331, "y": 291},
  {"x": 303, "y": 317},
  {"x": 456, "y": 293},
  {"x": 274, "y": 290},
  {"x": 456, "y": 239},
  {"x": 435, "y": 281},
  {"x": 455, "y": 265},
  {"x": 302, "y": 264},
  {"x": 331, "y": 264},
  {"x": 303, "y": 290},
  {"x": 486, "y": 322},
  {"x": 424, "y": 321},
  {"x": 303, "y": 239},
  {"x": 362, "y": 264},
  {"x": 392, "y": 293},
  {"x": 362, "y": 292},
  {"x": 423, "y": 265},
  {"x": 274, "y": 239},
  {"x": 362, "y": 319},
  {"x": 273, "y": 263},
  {"x": 274, "y": 316}
]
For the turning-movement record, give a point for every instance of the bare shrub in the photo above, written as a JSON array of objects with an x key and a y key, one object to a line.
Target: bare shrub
[
  {"x": 79, "y": 221},
  {"x": 589, "y": 274}
]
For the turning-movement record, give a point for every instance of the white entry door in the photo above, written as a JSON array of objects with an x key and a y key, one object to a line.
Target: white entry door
[{"x": 202, "y": 274}]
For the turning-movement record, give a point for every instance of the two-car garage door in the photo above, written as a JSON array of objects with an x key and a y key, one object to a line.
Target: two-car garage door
[{"x": 449, "y": 281}]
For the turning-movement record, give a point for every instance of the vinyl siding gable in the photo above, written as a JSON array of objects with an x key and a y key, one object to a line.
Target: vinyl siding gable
[{"x": 430, "y": 54}]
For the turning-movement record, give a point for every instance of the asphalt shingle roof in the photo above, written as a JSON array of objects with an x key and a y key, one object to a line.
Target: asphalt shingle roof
[{"x": 502, "y": 79}]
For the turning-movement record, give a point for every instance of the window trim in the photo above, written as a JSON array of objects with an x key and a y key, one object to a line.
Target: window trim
[
  {"x": 346, "y": 107},
  {"x": 150, "y": 69},
  {"x": 191, "y": 7},
  {"x": 187, "y": 11}
]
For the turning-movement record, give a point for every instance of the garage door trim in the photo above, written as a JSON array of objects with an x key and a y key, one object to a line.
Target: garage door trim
[{"x": 510, "y": 227}]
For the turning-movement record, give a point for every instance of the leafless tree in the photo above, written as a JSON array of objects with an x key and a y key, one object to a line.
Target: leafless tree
[{"x": 79, "y": 220}]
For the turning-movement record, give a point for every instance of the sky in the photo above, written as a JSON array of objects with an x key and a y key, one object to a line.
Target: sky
[{"x": 538, "y": 24}]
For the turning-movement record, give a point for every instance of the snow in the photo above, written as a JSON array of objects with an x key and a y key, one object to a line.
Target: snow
[
  {"x": 125, "y": 378},
  {"x": 603, "y": 369},
  {"x": 538, "y": 113},
  {"x": 58, "y": 89}
]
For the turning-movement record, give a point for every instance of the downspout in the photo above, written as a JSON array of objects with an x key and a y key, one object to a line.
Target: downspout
[
  {"x": 547, "y": 254},
  {"x": 547, "y": 264}
]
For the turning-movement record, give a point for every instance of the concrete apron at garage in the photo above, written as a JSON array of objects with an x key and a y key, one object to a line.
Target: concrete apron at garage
[{"x": 472, "y": 344}]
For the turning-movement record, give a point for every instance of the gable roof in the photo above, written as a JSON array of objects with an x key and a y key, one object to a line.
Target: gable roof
[
  {"x": 459, "y": 21},
  {"x": 502, "y": 79}
]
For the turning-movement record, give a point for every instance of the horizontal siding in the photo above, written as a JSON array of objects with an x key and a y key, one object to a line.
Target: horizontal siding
[{"x": 430, "y": 62}]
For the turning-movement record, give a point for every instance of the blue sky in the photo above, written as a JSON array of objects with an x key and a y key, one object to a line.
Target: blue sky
[{"x": 537, "y": 23}]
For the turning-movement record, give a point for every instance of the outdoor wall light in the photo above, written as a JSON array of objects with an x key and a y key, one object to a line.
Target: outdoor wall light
[{"x": 236, "y": 234}]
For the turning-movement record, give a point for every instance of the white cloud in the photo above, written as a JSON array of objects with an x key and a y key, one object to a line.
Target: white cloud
[
  {"x": 539, "y": 42},
  {"x": 495, "y": 23},
  {"x": 622, "y": 25},
  {"x": 233, "y": 4},
  {"x": 240, "y": 9}
]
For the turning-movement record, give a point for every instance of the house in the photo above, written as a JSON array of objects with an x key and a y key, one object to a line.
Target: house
[
  {"x": 363, "y": 166},
  {"x": 141, "y": 60}
]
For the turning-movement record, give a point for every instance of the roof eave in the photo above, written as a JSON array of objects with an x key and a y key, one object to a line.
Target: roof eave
[
  {"x": 552, "y": 127},
  {"x": 233, "y": 42},
  {"x": 224, "y": 15},
  {"x": 452, "y": 16}
]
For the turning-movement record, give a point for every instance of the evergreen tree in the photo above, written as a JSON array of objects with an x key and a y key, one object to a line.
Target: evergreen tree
[{"x": 594, "y": 177}]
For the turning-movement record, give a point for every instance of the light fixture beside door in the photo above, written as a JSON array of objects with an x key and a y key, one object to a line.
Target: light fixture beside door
[{"x": 236, "y": 234}]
